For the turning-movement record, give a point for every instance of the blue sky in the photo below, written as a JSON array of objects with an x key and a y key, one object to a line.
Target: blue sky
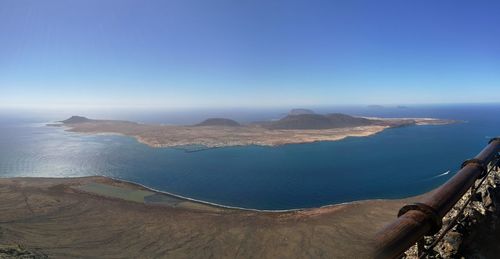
[{"x": 116, "y": 53}]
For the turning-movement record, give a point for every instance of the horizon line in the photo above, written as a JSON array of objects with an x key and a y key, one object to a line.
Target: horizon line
[{"x": 257, "y": 107}]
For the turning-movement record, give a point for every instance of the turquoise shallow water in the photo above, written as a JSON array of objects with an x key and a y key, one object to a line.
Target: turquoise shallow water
[{"x": 396, "y": 163}]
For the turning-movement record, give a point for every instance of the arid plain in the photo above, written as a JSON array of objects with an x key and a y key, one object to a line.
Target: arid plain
[{"x": 59, "y": 218}]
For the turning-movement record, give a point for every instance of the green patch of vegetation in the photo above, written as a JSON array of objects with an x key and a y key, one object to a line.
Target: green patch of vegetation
[{"x": 116, "y": 192}]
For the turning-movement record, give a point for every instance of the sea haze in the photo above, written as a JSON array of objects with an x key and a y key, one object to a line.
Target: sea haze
[{"x": 396, "y": 163}]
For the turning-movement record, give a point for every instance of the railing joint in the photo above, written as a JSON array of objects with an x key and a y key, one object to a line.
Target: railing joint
[
  {"x": 430, "y": 213},
  {"x": 478, "y": 162}
]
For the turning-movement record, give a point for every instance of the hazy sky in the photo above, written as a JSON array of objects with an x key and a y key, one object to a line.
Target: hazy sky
[{"x": 260, "y": 53}]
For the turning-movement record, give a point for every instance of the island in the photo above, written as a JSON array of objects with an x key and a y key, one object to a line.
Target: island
[{"x": 299, "y": 126}]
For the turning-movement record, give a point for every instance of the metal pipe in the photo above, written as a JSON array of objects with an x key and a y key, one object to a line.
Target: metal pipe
[{"x": 424, "y": 218}]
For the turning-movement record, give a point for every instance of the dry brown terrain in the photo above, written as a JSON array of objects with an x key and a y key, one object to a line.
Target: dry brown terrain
[
  {"x": 220, "y": 136},
  {"x": 217, "y": 136},
  {"x": 55, "y": 217}
]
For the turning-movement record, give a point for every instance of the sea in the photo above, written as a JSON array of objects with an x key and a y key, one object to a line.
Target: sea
[{"x": 396, "y": 163}]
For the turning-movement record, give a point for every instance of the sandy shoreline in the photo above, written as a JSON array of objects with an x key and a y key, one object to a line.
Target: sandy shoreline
[{"x": 61, "y": 218}]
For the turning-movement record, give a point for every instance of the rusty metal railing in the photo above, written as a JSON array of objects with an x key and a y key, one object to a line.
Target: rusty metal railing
[{"x": 424, "y": 218}]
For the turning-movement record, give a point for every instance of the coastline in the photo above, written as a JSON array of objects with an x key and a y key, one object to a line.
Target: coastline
[
  {"x": 290, "y": 141},
  {"x": 144, "y": 141},
  {"x": 140, "y": 139},
  {"x": 259, "y": 134},
  {"x": 175, "y": 137},
  {"x": 199, "y": 201},
  {"x": 220, "y": 201},
  {"x": 87, "y": 218}
]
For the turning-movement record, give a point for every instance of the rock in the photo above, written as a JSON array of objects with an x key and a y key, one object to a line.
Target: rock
[
  {"x": 450, "y": 245},
  {"x": 479, "y": 219},
  {"x": 479, "y": 207},
  {"x": 18, "y": 251},
  {"x": 487, "y": 200}
]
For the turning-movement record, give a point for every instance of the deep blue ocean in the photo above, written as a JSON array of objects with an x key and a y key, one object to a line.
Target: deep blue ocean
[{"x": 396, "y": 163}]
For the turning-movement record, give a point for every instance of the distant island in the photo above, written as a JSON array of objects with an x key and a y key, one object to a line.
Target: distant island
[{"x": 299, "y": 126}]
